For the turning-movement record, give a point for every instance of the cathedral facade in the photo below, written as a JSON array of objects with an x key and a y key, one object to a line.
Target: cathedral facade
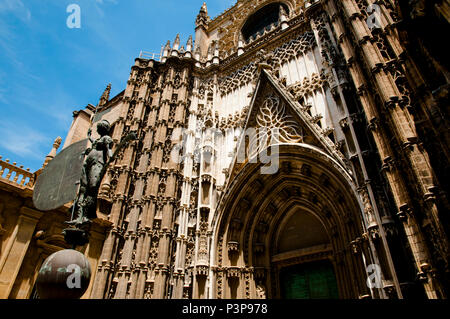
[{"x": 295, "y": 149}]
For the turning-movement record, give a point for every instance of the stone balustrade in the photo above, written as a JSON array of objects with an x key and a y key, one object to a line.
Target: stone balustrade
[{"x": 15, "y": 174}]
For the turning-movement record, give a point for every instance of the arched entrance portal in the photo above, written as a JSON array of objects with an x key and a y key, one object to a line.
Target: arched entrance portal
[
  {"x": 288, "y": 235},
  {"x": 302, "y": 234}
]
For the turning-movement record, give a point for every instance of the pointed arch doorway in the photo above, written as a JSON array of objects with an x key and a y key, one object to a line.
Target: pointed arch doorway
[
  {"x": 300, "y": 258},
  {"x": 287, "y": 235}
]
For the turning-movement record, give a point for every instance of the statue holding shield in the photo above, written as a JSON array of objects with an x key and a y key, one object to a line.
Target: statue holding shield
[
  {"x": 77, "y": 172},
  {"x": 92, "y": 172}
]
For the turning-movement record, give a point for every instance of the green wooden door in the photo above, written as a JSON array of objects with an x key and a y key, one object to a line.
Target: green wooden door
[{"x": 309, "y": 281}]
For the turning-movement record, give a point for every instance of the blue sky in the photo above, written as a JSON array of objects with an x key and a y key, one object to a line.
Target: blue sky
[{"x": 48, "y": 70}]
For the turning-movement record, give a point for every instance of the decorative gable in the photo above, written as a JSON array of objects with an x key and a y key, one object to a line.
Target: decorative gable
[{"x": 275, "y": 118}]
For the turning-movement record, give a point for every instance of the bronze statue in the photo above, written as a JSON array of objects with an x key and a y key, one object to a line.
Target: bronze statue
[
  {"x": 96, "y": 161},
  {"x": 93, "y": 170}
]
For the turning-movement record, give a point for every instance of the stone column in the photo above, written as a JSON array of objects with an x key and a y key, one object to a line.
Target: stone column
[
  {"x": 400, "y": 120},
  {"x": 12, "y": 257}
]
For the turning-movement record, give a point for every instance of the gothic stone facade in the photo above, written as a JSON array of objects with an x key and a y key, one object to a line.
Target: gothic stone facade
[{"x": 357, "y": 91}]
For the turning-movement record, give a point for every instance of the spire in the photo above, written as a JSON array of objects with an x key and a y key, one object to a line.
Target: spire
[
  {"x": 167, "y": 48},
  {"x": 202, "y": 17},
  {"x": 166, "y": 51},
  {"x": 282, "y": 11},
  {"x": 189, "y": 44},
  {"x": 52, "y": 153},
  {"x": 105, "y": 96},
  {"x": 176, "y": 46},
  {"x": 204, "y": 9},
  {"x": 188, "y": 51},
  {"x": 176, "y": 43},
  {"x": 197, "y": 56}
]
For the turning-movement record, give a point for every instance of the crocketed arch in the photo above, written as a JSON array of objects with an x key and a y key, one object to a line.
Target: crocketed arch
[{"x": 255, "y": 207}]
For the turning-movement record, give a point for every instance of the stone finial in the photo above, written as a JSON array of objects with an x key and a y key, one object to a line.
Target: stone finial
[
  {"x": 283, "y": 17},
  {"x": 197, "y": 53},
  {"x": 105, "y": 96},
  {"x": 282, "y": 12},
  {"x": 52, "y": 153},
  {"x": 176, "y": 42},
  {"x": 204, "y": 8},
  {"x": 166, "y": 49},
  {"x": 240, "y": 44},
  {"x": 241, "y": 40},
  {"x": 202, "y": 17},
  {"x": 166, "y": 52},
  {"x": 216, "y": 52},
  {"x": 176, "y": 46},
  {"x": 189, "y": 44},
  {"x": 197, "y": 56}
]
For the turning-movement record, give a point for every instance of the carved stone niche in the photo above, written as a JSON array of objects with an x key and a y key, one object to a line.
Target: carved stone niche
[
  {"x": 344, "y": 123},
  {"x": 374, "y": 232},
  {"x": 404, "y": 212},
  {"x": 356, "y": 245},
  {"x": 202, "y": 270},
  {"x": 389, "y": 227},
  {"x": 233, "y": 246},
  {"x": 204, "y": 213},
  {"x": 233, "y": 272}
]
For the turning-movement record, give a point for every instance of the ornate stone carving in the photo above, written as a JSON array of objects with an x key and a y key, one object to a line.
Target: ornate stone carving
[
  {"x": 274, "y": 126},
  {"x": 260, "y": 291},
  {"x": 233, "y": 246},
  {"x": 308, "y": 86}
]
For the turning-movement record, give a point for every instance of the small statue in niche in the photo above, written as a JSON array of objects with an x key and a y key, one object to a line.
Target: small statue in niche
[{"x": 260, "y": 291}]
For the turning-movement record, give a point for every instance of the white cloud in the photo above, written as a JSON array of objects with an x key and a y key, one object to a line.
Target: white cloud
[
  {"x": 112, "y": 1},
  {"x": 22, "y": 141},
  {"x": 17, "y": 8},
  {"x": 54, "y": 104}
]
